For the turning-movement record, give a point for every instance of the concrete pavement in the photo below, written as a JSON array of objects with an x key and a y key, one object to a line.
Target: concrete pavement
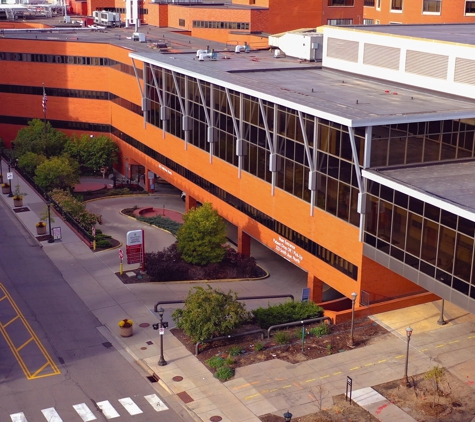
[{"x": 267, "y": 387}]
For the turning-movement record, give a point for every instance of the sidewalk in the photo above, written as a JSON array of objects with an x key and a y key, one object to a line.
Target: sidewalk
[{"x": 266, "y": 387}]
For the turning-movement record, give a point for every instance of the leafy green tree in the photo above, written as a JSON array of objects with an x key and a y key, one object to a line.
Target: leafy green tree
[
  {"x": 57, "y": 172},
  {"x": 34, "y": 138},
  {"x": 435, "y": 376},
  {"x": 202, "y": 236},
  {"x": 94, "y": 152},
  {"x": 30, "y": 161},
  {"x": 210, "y": 313}
]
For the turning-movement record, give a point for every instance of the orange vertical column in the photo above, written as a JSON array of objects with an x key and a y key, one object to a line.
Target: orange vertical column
[
  {"x": 244, "y": 243},
  {"x": 190, "y": 202},
  {"x": 316, "y": 288}
]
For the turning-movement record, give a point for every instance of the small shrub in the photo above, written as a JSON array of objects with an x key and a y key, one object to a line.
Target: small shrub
[
  {"x": 215, "y": 362},
  {"x": 235, "y": 351},
  {"x": 103, "y": 243},
  {"x": 229, "y": 361},
  {"x": 286, "y": 312},
  {"x": 258, "y": 347},
  {"x": 329, "y": 349},
  {"x": 162, "y": 222},
  {"x": 282, "y": 337},
  {"x": 320, "y": 330},
  {"x": 224, "y": 373}
]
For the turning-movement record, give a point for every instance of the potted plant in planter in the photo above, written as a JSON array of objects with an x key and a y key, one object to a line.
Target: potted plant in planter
[
  {"x": 18, "y": 196},
  {"x": 5, "y": 187},
  {"x": 40, "y": 228},
  {"x": 126, "y": 327}
]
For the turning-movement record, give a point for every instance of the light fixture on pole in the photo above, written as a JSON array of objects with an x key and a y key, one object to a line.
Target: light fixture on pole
[
  {"x": 161, "y": 361},
  {"x": 50, "y": 237},
  {"x": 408, "y": 335},
  {"x": 351, "y": 342},
  {"x": 441, "y": 320},
  {"x": 287, "y": 416}
]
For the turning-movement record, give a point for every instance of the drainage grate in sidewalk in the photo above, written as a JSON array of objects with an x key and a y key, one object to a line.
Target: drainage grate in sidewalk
[{"x": 185, "y": 397}]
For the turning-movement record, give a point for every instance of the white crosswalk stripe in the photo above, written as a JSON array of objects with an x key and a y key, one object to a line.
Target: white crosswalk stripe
[
  {"x": 156, "y": 403},
  {"x": 51, "y": 415},
  {"x": 105, "y": 406},
  {"x": 84, "y": 412},
  {"x": 107, "y": 409},
  {"x": 18, "y": 417},
  {"x": 130, "y": 406}
]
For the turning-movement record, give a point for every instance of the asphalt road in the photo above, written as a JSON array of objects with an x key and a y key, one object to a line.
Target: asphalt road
[{"x": 56, "y": 360}]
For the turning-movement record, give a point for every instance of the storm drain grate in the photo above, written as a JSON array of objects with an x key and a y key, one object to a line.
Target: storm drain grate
[{"x": 107, "y": 344}]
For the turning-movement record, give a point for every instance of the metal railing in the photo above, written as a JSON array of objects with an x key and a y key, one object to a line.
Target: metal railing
[
  {"x": 295, "y": 323},
  {"x": 246, "y": 333}
]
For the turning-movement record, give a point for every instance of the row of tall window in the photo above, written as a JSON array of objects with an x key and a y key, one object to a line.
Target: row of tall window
[
  {"x": 220, "y": 25},
  {"x": 428, "y": 6},
  {"x": 122, "y": 10},
  {"x": 336, "y": 179},
  {"x": 74, "y": 60},
  {"x": 429, "y": 239}
]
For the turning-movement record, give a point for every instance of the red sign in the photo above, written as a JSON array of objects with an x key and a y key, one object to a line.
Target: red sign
[
  {"x": 134, "y": 254},
  {"x": 121, "y": 253}
]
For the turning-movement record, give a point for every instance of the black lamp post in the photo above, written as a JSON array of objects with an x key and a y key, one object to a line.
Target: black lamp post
[
  {"x": 408, "y": 335},
  {"x": 50, "y": 239},
  {"x": 161, "y": 361},
  {"x": 287, "y": 416},
  {"x": 441, "y": 320},
  {"x": 351, "y": 342},
  {"x": 10, "y": 181}
]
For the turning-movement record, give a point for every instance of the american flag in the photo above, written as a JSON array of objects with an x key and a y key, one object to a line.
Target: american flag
[{"x": 44, "y": 101}]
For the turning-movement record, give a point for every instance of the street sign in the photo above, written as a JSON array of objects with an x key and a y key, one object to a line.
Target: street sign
[
  {"x": 93, "y": 231},
  {"x": 56, "y": 231},
  {"x": 161, "y": 331},
  {"x": 134, "y": 254},
  {"x": 121, "y": 254},
  {"x": 10, "y": 176}
]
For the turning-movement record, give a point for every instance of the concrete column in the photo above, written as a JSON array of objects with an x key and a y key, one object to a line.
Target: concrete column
[
  {"x": 190, "y": 202},
  {"x": 244, "y": 243},
  {"x": 316, "y": 288}
]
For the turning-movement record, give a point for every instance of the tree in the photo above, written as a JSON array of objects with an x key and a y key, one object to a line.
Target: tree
[
  {"x": 210, "y": 313},
  {"x": 34, "y": 138},
  {"x": 75, "y": 208},
  {"x": 57, "y": 172},
  {"x": 435, "y": 376},
  {"x": 202, "y": 236},
  {"x": 30, "y": 161},
  {"x": 94, "y": 152}
]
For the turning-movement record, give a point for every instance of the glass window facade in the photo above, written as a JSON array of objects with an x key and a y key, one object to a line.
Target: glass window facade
[
  {"x": 431, "y": 6},
  {"x": 438, "y": 243},
  {"x": 341, "y": 2},
  {"x": 337, "y": 189},
  {"x": 221, "y": 25}
]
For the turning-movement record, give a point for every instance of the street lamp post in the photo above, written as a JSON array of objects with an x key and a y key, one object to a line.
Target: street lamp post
[
  {"x": 161, "y": 361},
  {"x": 351, "y": 342},
  {"x": 10, "y": 181},
  {"x": 408, "y": 335},
  {"x": 50, "y": 238},
  {"x": 441, "y": 320},
  {"x": 287, "y": 416}
]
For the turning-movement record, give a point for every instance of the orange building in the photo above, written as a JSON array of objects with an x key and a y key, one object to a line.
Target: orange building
[
  {"x": 335, "y": 168},
  {"x": 418, "y": 11},
  {"x": 239, "y": 21}
]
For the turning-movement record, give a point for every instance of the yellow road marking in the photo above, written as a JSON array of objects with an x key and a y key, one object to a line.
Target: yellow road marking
[
  {"x": 337, "y": 373},
  {"x": 250, "y": 397},
  {"x": 399, "y": 356},
  {"x": 440, "y": 345},
  {"x": 34, "y": 338},
  {"x": 353, "y": 369},
  {"x": 287, "y": 386},
  {"x": 271, "y": 391},
  {"x": 454, "y": 341},
  {"x": 325, "y": 376},
  {"x": 381, "y": 361},
  {"x": 310, "y": 380},
  {"x": 369, "y": 364}
]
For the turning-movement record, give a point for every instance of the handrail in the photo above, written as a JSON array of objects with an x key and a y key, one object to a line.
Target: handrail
[
  {"x": 155, "y": 308},
  {"x": 293, "y": 324},
  {"x": 197, "y": 345}
]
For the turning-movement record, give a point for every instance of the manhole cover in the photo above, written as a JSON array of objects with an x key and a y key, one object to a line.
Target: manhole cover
[
  {"x": 144, "y": 325},
  {"x": 177, "y": 378},
  {"x": 143, "y": 348},
  {"x": 215, "y": 418}
]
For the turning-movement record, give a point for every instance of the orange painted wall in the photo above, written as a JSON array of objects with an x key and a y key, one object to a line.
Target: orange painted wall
[{"x": 452, "y": 11}]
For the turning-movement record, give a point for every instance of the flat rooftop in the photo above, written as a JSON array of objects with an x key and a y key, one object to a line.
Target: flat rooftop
[
  {"x": 462, "y": 33},
  {"x": 342, "y": 97},
  {"x": 449, "y": 182}
]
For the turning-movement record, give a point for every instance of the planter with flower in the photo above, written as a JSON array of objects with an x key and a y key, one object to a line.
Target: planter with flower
[
  {"x": 41, "y": 225},
  {"x": 40, "y": 228},
  {"x": 126, "y": 327},
  {"x": 18, "y": 196},
  {"x": 5, "y": 188}
]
